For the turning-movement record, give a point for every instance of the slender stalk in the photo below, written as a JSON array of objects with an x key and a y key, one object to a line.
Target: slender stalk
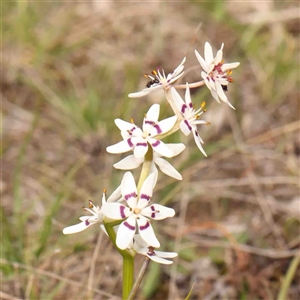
[
  {"x": 139, "y": 279},
  {"x": 191, "y": 85},
  {"x": 288, "y": 278},
  {"x": 128, "y": 262},
  {"x": 146, "y": 167}
]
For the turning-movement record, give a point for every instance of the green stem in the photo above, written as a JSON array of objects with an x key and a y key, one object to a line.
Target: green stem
[
  {"x": 128, "y": 262},
  {"x": 146, "y": 167},
  {"x": 288, "y": 278}
]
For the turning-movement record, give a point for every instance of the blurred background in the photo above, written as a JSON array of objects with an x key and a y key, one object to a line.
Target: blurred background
[{"x": 67, "y": 69}]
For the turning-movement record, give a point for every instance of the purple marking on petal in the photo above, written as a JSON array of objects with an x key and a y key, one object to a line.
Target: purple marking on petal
[
  {"x": 129, "y": 142},
  {"x": 149, "y": 122},
  {"x": 122, "y": 208},
  {"x": 87, "y": 223},
  {"x": 154, "y": 212},
  {"x": 145, "y": 226},
  {"x": 142, "y": 144},
  {"x": 129, "y": 226},
  {"x": 158, "y": 129},
  {"x": 156, "y": 143},
  {"x": 196, "y": 133},
  {"x": 188, "y": 125},
  {"x": 151, "y": 253},
  {"x": 133, "y": 194},
  {"x": 191, "y": 105},
  {"x": 183, "y": 108},
  {"x": 132, "y": 129},
  {"x": 144, "y": 196}
]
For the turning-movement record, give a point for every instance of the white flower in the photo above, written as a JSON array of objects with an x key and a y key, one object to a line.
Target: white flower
[
  {"x": 137, "y": 140},
  {"x": 190, "y": 116},
  {"x": 96, "y": 211},
  {"x": 131, "y": 162},
  {"x": 159, "y": 80},
  {"x": 216, "y": 75},
  {"x": 137, "y": 213},
  {"x": 142, "y": 248}
]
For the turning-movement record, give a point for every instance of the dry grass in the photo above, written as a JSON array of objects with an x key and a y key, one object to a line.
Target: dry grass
[{"x": 66, "y": 71}]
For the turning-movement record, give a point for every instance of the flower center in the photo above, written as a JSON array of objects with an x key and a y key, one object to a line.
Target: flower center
[{"x": 136, "y": 211}]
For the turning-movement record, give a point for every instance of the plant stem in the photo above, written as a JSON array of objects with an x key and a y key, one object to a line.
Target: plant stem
[
  {"x": 146, "y": 167},
  {"x": 128, "y": 262},
  {"x": 139, "y": 279},
  {"x": 288, "y": 278}
]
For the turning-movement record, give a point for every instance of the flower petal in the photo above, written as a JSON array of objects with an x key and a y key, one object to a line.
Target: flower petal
[
  {"x": 219, "y": 55},
  {"x": 201, "y": 61},
  {"x": 160, "y": 147},
  {"x": 176, "y": 148},
  {"x": 186, "y": 127},
  {"x": 167, "y": 168},
  {"x": 123, "y": 125},
  {"x": 163, "y": 126},
  {"x": 158, "y": 212},
  {"x": 198, "y": 141},
  {"x": 146, "y": 191},
  {"x": 115, "y": 196},
  {"x": 140, "y": 149},
  {"x": 166, "y": 254},
  {"x": 208, "y": 53},
  {"x": 128, "y": 188},
  {"x": 116, "y": 211},
  {"x": 153, "y": 113},
  {"x": 77, "y": 228},
  {"x": 128, "y": 163},
  {"x": 126, "y": 232},
  {"x": 120, "y": 147},
  {"x": 145, "y": 91},
  {"x": 147, "y": 233},
  {"x": 230, "y": 66}
]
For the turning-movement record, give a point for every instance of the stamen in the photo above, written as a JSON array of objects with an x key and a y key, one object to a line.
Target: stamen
[
  {"x": 208, "y": 123},
  {"x": 104, "y": 190},
  {"x": 203, "y": 104},
  {"x": 131, "y": 121}
]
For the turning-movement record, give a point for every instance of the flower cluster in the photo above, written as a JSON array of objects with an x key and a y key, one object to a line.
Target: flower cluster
[{"x": 130, "y": 207}]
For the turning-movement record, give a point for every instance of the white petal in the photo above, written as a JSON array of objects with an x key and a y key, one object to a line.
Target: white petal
[
  {"x": 145, "y": 91},
  {"x": 140, "y": 149},
  {"x": 120, "y": 147},
  {"x": 147, "y": 233},
  {"x": 166, "y": 254},
  {"x": 201, "y": 61},
  {"x": 77, "y": 228},
  {"x": 198, "y": 142},
  {"x": 115, "y": 196},
  {"x": 153, "y": 113},
  {"x": 188, "y": 99},
  {"x": 186, "y": 127},
  {"x": 208, "y": 53},
  {"x": 116, "y": 211},
  {"x": 129, "y": 191},
  {"x": 159, "y": 260},
  {"x": 205, "y": 77},
  {"x": 220, "y": 92},
  {"x": 158, "y": 212},
  {"x": 215, "y": 95},
  {"x": 219, "y": 55},
  {"x": 163, "y": 126},
  {"x": 123, "y": 125},
  {"x": 128, "y": 163},
  {"x": 160, "y": 147},
  {"x": 146, "y": 191},
  {"x": 230, "y": 66},
  {"x": 177, "y": 100},
  {"x": 176, "y": 148},
  {"x": 167, "y": 168},
  {"x": 126, "y": 232}
]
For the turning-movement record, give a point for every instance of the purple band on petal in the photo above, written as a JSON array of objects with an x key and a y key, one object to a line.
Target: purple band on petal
[
  {"x": 154, "y": 212},
  {"x": 133, "y": 194},
  {"x": 183, "y": 108},
  {"x": 151, "y": 253},
  {"x": 129, "y": 142},
  {"x": 132, "y": 129},
  {"x": 122, "y": 208},
  {"x": 149, "y": 122},
  {"x": 144, "y": 196},
  {"x": 191, "y": 105},
  {"x": 129, "y": 226},
  {"x": 158, "y": 129},
  {"x": 87, "y": 223},
  {"x": 196, "y": 133},
  {"x": 156, "y": 143},
  {"x": 188, "y": 125},
  {"x": 142, "y": 144},
  {"x": 145, "y": 226}
]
